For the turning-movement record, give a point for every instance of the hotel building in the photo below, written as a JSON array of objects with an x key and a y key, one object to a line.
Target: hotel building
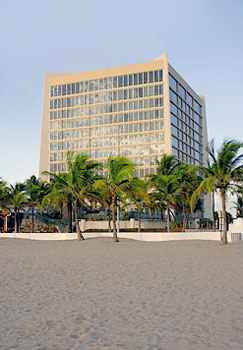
[{"x": 140, "y": 111}]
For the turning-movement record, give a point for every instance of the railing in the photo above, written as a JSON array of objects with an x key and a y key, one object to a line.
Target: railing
[
  {"x": 45, "y": 220},
  {"x": 236, "y": 237}
]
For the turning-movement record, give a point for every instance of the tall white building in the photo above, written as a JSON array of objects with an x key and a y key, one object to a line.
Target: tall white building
[{"x": 140, "y": 111}]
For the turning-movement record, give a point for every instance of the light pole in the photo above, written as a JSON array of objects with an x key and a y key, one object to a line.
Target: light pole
[{"x": 118, "y": 218}]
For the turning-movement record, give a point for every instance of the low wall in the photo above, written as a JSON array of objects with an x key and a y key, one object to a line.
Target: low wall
[
  {"x": 160, "y": 236},
  {"x": 132, "y": 223},
  {"x": 141, "y": 236},
  {"x": 41, "y": 236}
]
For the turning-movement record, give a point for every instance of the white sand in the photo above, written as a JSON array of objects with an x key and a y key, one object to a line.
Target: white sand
[{"x": 129, "y": 295}]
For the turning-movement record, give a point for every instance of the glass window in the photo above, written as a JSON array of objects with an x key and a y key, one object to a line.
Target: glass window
[
  {"x": 173, "y": 108},
  {"x": 189, "y": 99},
  {"x": 135, "y": 78},
  {"x": 114, "y": 82},
  {"x": 120, "y": 81},
  {"x": 68, "y": 89},
  {"x": 140, "y": 78},
  {"x": 160, "y": 75},
  {"x": 51, "y": 92},
  {"x": 125, "y": 80},
  {"x": 145, "y": 77},
  {"x": 174, "y": 119},
  {"x": 156, "y": 76},
  {"x": 73, "y": 88},
  {"x": 174, "y": 141},
  {"x": 77, "y": 88},
  {"x": 173, "y": 97},
  {"x": 151, "y": 77},
  {"x": 197, "y": 107},
  {"x": 182, "y": 92},
  {"x": 172, "y": 83},
  {"x": 64, "y": 92},
  {"x": 120, "y": 94},
  {"x": 130, "y": 79},
  {"x": 174, "y": 130}
]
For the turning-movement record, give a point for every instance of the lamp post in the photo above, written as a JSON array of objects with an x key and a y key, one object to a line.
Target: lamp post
[{"x": 118, "y": 218}]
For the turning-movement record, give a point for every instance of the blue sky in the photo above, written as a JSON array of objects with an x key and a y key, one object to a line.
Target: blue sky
[{"x": 203, "y": 39}]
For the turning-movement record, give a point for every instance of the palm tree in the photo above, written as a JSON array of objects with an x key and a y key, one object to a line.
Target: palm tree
[
  {"x": 167, "y": 187},
  {"x": 238, "y": 206},
  {"x": 166, "y": 165},
  {"x": 120, "y": 171},
  {"x": 227, "y": 173},
  {"x": 78, "y": 181},
  {"x": 104, "y": 197},
  {"x": 164, "y": 183},
  {"x": 35, "y": 190},
  {"x": 60, "y": 196},
  {"x": 17, "y": 200},
  {"x": 188, "y": 181},
  {"x": 136, "y": 191},
  {"x": 4, "y": 194}
]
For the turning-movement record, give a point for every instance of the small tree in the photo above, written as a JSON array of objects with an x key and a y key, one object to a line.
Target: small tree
[
  {"x": 136, "y": 192},
  {"x": 35, "y": 190},
  {"x": 226, "y": 176},
  {"x": 78, "y": 180},
  {"x": 120, "y": 171},
  {"x": 17, "y": 200}
]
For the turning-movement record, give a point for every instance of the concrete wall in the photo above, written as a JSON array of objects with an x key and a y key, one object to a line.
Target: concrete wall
[
  {"x": 89, "y": 225},
  {"x": 143, "y": 236},
  {"x": 236, "y": 226},
  {"x": 41, "y": 236}
]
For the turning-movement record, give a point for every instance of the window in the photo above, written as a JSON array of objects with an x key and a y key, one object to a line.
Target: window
[
  {"x": 182, "y": 92},
  {"x": 120, "y": 81},
  {"x": 135, "y": 78},
  {"x": 172, "y": 83},
  {"x": 173, "y": 108},
  {"x": 130, "y": 80},
  {"x": 173, "y": 119},
  {"x": 174, "y": 130},
  {"x": 151, "y": 77},
  {"x": 189, "y": 99},
  {"x": 173, "y": 97},
  {"x": 145, "y": 78},
  {"x": 197, "y": 107},
  {"x": 114, "y": 82}
]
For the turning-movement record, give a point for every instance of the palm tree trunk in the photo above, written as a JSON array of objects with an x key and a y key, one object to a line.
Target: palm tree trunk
[
  {"x": 79, "y": 233},
  {"x": 168, "y": 217},
  {"x": 70, "y": 216},
  {"x": 18, "y": 221},
  {"x": 115, "y": 238},
  {"x": 33, "y": 217},
  {"x": 171, "y": 211},
  {"x": 151, "y": 213},
  {"x": 161, "y": 214},
  {"x": 109, "y": 220},
  {"x": 184, "y": 219},
  {"x": 213, "y": 209},
  {"x": 139, "y": 221},
  {"x": 224, "y": 235},
  {"x": 15, "y": 220}
]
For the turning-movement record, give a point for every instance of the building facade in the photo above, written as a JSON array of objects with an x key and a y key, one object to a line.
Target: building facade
[{"x": 140, "y": 111}]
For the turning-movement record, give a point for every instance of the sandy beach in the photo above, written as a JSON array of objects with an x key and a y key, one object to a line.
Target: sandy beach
[{"x": 131, "y": 295}]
